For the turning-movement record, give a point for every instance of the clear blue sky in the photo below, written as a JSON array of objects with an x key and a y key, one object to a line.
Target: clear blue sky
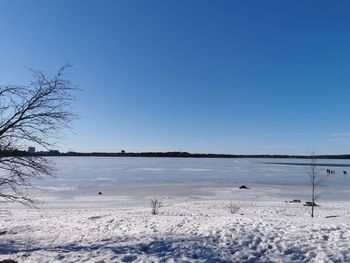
[{"x": 201, "y": 76}]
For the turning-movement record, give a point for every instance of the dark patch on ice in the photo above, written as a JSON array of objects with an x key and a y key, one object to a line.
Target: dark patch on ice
[
  {"x": 94, "y": 217},
  {"x": 331, "y": 216}
]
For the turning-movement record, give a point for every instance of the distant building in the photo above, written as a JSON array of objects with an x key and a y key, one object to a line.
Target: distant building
[
  {"x": 122, "y": 151},
  {"x": 31, "y": 149}
]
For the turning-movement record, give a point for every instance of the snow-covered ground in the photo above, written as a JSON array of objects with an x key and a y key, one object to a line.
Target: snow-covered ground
[
  {"x": 75, "y": 224},
  {"x": 187, "y": 231}
]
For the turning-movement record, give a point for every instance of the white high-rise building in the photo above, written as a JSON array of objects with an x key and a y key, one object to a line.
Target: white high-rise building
[{"x": 31, "y": 149}]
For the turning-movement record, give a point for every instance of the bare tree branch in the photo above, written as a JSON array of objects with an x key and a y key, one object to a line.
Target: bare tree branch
[{"x": 35, "y": 114}]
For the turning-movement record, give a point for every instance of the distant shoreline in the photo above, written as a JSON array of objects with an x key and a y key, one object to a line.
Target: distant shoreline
[
  {"x": 56, "y": 153},
  {"x": 179, "y": 155}
]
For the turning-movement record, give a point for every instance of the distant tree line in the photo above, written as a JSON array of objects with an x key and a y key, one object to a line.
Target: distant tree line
[{"x": 167, "y": 154}]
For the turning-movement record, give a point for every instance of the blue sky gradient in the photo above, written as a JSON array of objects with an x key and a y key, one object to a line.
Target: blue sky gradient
[{"x": 245, "y": 77}]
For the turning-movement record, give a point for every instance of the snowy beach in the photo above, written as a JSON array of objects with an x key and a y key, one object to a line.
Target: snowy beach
[
  {"x": 195, "y": 224},
  {"x": 182, "y": 232}
]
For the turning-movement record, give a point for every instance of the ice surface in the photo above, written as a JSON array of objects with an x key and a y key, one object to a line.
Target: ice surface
[{"x": 137, "y": 179}]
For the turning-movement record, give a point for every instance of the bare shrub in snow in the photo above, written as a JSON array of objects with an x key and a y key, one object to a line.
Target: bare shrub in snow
[
  {"x": 234, "y": 208},
  {"x": 28, "y": 245},
  {"x": 156, "y": 204}
]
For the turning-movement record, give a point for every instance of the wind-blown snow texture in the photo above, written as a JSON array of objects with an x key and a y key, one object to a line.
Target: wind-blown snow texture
[{"x": 202, "y": 231}]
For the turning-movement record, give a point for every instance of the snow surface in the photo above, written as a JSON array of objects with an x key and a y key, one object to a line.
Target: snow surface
[{"x": 197, "y": 231}]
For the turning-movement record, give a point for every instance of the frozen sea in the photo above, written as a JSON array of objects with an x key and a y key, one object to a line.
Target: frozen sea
[{"x": 130, "y": 180}]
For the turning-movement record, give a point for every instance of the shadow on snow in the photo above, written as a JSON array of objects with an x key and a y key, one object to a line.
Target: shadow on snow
[{"x": 198, "y": 248}]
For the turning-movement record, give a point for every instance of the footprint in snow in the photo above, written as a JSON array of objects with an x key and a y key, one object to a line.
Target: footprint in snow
[{"x": 129, "y": 258}]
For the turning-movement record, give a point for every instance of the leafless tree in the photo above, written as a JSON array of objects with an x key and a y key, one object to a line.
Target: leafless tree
[
  {"x": 31, "y": 115},
  {"x": 315, "y": 180}
]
